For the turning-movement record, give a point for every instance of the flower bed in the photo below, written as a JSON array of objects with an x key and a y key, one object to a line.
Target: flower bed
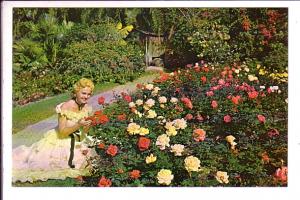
[{"x": 198, "y": 126}]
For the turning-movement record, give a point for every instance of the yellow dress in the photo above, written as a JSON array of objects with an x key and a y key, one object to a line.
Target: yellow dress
[{"x": 48, "y": 158}]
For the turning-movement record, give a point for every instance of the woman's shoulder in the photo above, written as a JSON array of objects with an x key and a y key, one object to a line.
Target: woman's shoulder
[{"x": 66, "y": 106}]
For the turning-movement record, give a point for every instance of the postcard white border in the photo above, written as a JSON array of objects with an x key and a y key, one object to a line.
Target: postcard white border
[{"x": 45, "y": 193}]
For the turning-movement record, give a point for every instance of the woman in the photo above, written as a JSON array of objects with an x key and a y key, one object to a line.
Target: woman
[{"x": 62, "y": 152}]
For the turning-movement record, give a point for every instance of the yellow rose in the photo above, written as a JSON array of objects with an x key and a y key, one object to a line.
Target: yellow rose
[
  {"x": 192, "y": 163},
  {"x": 133, "y": 128},
  {"x": 222, "y": 177},
  {"x": 150, "y": 159},
  {"x": 144, "y": 131},
  {"x": 139, "y": 102},
  {"x": 171, "y": 131},
  {"x": 230, "y": 139},
  {"x": 151, "y": 114},
  {"x": 165, "y": 176}
]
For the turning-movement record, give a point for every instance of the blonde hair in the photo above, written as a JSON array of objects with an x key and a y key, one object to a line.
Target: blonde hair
[{"x": 82, "y": 83}]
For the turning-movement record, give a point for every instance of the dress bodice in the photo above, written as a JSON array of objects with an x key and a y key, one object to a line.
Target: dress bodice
[{"x": 72, "y": 115}]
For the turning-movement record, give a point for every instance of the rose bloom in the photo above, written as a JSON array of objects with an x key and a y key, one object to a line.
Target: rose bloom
[
  {"x": 177, "y": 149},
  {"x": 230, "y": 139},
  {"x": 151, "y": 114},
  {"x": 168, "y": 125},
  {"x": 261, "y": 118},
  {"x": 162, "y": 141},
  {"x": 149, "y": 86},
  {"x": 214, "y": 104},
  {"x": 192, "y": 163},
  {"x": 135, "y": 174},
  {"x": 144, "y": 131},
  {"x": 131, "y": 104},
  {"x": 235, "y": 99},
  {"x": 171, "y": 131},
  {"x": 188, "y": 117},
  {"x": 127, "y": 98},
  {"x": 104, "y": 182},
  {"x": 210, "y": 93},
  {"x": 121, "y": 117},
  {"x": 156, "y": 89},
  {"x": 253, "y": 95},
  {"x": 180, "y": 123},
  {"x": 133, "y": 128},
  {"x": 281, "y": 174},
  {"x": 102, "y": 119},
  {"x": 174, "y": 100},
  {"x": 162, "y": 99},
  {"x": 165, "y": 176},
  {"x": 222, "y": 177},
  {"x": 273, "y": 132},
  {"x": 101, "y": 100},
  {"x": 150, "y": 103},
  {"x": 143, "y": 143},
  {"x": 139, "y": 102},
  {"x": 221, "y": 82},
  {"x": 265, "y": 158},
  {"x": 150, "y": 159},
  {"x": 227, "y": 118},
  {"x": 112, "y": 150},
  {"x": 187, "y": 102},
  {"x": 199, "y": 135},
  {"x": 203, "y": 79},
  {"x": 101, "y": 145},
  {"x": 252, "y": 78}
]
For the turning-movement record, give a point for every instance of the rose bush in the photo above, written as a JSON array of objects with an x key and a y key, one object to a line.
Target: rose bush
[{"x": 197, "y": 126}]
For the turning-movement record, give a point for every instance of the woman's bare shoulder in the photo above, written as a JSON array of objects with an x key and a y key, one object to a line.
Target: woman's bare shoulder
[{"x": 69, "y": 105}]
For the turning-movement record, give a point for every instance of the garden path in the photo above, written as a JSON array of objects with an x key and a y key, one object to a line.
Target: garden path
[{"x": 35, "y": 132}]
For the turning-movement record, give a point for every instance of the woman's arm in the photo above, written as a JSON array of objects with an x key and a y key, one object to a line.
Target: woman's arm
[{"x": 65, "y": 130}]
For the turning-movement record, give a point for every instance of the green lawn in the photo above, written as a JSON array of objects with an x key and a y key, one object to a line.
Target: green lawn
[{"x": 69, "y": 182}]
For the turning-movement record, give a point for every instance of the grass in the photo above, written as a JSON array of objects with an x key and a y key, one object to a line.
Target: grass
[
  {"x": 68, "y": 182},
  {"x": 34, "y": 112}
]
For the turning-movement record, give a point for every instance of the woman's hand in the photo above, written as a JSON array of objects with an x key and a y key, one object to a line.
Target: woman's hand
[{"x": 84, "y": 122}]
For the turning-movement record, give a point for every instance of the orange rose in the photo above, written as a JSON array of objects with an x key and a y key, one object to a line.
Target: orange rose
[
  {"x": 112, "y": 150},
  {"x": 104, "y": 182},
  {"x": 199, "y": 135},
  {"x": 143, "y": 143},
  {"x": 135, "y": 174}
]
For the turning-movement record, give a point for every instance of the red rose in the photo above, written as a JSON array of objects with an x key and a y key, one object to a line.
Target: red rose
[
  {"x": 227, "y": 118},
  {"x": 281, "y": 174},
  {"x": 126, "y": 97},
  {"x": 112, "y": 150},
  {"x": 203, "y": 79},
  {"x": 121, "y": 117},
  {"x": 101, "y": 100},
  {"x": 135, "y": 174},
  {"x": 187, "y": 102},
  {"x": 273, "y": 132},
  {"x": 261, "y": 118},
  {"x": 103, "y": 119},
  {"x": 143, "y": 143},
  {"x": 235, "y": 99},
  {"x": 104, "y": 182},
  {"x": 252, "y": 95}
]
